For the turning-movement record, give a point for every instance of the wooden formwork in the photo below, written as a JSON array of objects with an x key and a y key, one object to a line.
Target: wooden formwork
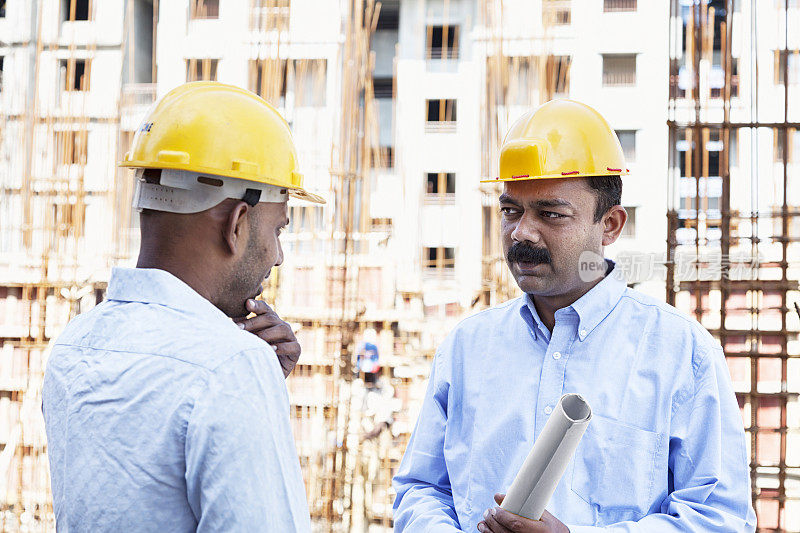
[{"x": 732, "y": 251}]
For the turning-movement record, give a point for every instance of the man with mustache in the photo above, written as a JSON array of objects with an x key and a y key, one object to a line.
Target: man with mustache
[
  {"x": 165, "y": 406},
  {"x": 665, "y": 449}
]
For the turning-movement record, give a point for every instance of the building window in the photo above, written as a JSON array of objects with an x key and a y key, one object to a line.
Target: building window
[
  {"x": 557, "y": 74},
  {"x": 380, "y": 224},
  {"x": 389, "y": 17},
  {"x": 305, "y": 218},
  {"x": 2, "y": 8},
  {"x": 619, "y": 70},
  {"x": 267, "y": 15},
  {"x": 304, "y": 80},
  {"x": 204, "y": 9},
  {"x": 792, "y": 65},
  {"x": 2, "y": 66},
  {"x": 778, "y": 143},
  {"x": 442, "y": 42},
  {"x": 70, "y": 147},
  {"x": 75, "y": 73},
  {"x": 627, "y": 139},
  {"x": 440, "y": 187},
  {"x": 268, "y": 79},
  {"x": 308, "y": 80},
  {"x": 383, "y": 157},
  {"x": 629, "y": 229},
  {"x": 74, "y": 10},
  {"x": 383, "y": 87},
  {"x": 556, "y": 12},
  {"x": 523, "y": 79},
  {"x": 439, "y": 260},
  {"x": 201, "y": 69},
  {"x": 611, "y": 6},
  {"x": 440, "y": 115}
]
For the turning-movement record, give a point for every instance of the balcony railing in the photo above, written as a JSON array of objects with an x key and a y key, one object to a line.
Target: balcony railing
[
  {"x": 440, "y": 126},
  {"x": 610, "y": 6}
]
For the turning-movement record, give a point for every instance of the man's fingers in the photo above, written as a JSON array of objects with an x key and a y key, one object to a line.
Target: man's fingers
[
  {"x": 259, "y": 307},
  {"x": 288, "y": 354},
  {"x": 492, "y": 523},
  {"x": 499, "y": 498},
  {"x": 518, "y": 524},
  {"x": 276, "y": 334},
  {"x": 288, "y": 349},
  {"x": 260, "y": 322}
]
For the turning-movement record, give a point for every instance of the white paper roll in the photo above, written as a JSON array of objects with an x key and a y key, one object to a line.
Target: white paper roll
[{"x": 539, "y": 475}]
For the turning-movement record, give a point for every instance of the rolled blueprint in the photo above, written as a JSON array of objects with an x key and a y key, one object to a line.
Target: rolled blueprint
[{"x": 536, "y": 481}]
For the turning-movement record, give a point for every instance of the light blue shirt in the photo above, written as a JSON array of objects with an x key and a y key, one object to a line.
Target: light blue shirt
[
  {"x": 162, "y": 415},
  {"x": 664, "y": 451}
]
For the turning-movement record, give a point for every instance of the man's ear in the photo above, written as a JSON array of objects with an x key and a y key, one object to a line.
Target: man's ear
[
  {"x": 613, "y": 222},
  {"x": 235, "y": 228}
]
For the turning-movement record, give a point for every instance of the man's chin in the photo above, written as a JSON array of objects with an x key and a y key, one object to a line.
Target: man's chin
[{"x": 533, "y": 282}]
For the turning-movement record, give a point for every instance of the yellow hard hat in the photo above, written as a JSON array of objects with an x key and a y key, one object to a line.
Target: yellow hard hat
[
  {"x": 560, "y": 139},
  {"x": 223, "y": 130}
]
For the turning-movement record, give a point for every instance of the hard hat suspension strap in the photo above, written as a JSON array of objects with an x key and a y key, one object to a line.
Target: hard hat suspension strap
[
  {"x": 181, "y": 191},
  {"x": 251, "y": 197}
]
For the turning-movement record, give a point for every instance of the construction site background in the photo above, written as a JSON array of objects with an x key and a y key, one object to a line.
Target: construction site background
[{"x": 398, "y": 109}]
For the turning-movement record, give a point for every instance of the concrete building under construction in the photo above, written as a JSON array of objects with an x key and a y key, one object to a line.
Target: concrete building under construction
[{"x": 398, "y": 109}]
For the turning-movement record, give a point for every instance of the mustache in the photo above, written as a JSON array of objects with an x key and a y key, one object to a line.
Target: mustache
[{"x": 524, "y": 253}]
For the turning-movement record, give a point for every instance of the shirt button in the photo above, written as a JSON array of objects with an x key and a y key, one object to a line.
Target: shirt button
[
  {"x": 556, "y": 355},
  {"x": 583, "y": 333},
  {"x": 548, "y": 410}
]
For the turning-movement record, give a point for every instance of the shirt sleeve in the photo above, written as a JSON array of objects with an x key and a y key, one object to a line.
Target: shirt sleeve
[
  {"x": 242, "y": 471},
  {"x": 707, "y": 461},
  {"x": 424, "y": 499}
]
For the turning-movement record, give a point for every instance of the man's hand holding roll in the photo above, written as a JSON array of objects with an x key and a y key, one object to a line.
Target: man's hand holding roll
[{"x": 497, "y": 520}]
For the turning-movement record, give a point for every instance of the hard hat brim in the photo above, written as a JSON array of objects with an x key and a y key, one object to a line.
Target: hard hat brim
[
  {"x": 624, "y": 172},
  {"x": 302, "y": 194}
]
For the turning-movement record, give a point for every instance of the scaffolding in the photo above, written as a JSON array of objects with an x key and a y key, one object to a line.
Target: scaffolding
[
  {"x": 56, "y": 234},
  {"x": 733, "y": 221},
  {"x": 334, "y": 300},
  {"x": 521, "y": 73}
]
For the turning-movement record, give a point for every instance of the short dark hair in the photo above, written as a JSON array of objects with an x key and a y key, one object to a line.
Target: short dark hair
[{"x": 609, "y": 194}]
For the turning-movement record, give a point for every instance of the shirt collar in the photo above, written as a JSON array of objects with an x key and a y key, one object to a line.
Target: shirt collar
[
  {"x": 591, "y": 308},
  {"x": 531, "y": 317},
  {"x": 155, "y": 286},
  {"x": 596, "y": 304}
]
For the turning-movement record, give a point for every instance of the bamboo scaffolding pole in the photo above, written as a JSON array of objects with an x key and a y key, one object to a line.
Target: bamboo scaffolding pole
[{"x": 736, "y": 310}]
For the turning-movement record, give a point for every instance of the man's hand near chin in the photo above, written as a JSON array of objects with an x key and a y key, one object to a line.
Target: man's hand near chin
[
  {"x": 497, "y": 520},
  {"x": 269, "y": 327}
]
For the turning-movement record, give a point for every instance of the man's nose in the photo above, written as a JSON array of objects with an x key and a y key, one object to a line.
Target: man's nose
[{"x": 527, "y": 230}]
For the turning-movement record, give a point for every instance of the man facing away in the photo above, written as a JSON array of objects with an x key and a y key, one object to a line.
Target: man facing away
[
  {"x": 162, "y": 413},
  {"x": 665, "y": 449}
]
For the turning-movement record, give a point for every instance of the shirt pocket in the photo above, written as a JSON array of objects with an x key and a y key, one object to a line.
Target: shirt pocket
[{"x": 614, "y": 469}]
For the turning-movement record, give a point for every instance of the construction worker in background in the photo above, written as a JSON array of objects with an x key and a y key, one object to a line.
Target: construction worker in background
[
  {"x": 665, "y": 449},
  {"x": 165, "y": 406},
  {"x": 367, "y": 359},
  {"x": 374, "y": 401}
]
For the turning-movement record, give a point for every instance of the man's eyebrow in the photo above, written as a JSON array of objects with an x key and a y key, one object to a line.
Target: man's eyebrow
[
  {"x": 555, "y": 202},
  {"x": 507, "y": 199}
]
